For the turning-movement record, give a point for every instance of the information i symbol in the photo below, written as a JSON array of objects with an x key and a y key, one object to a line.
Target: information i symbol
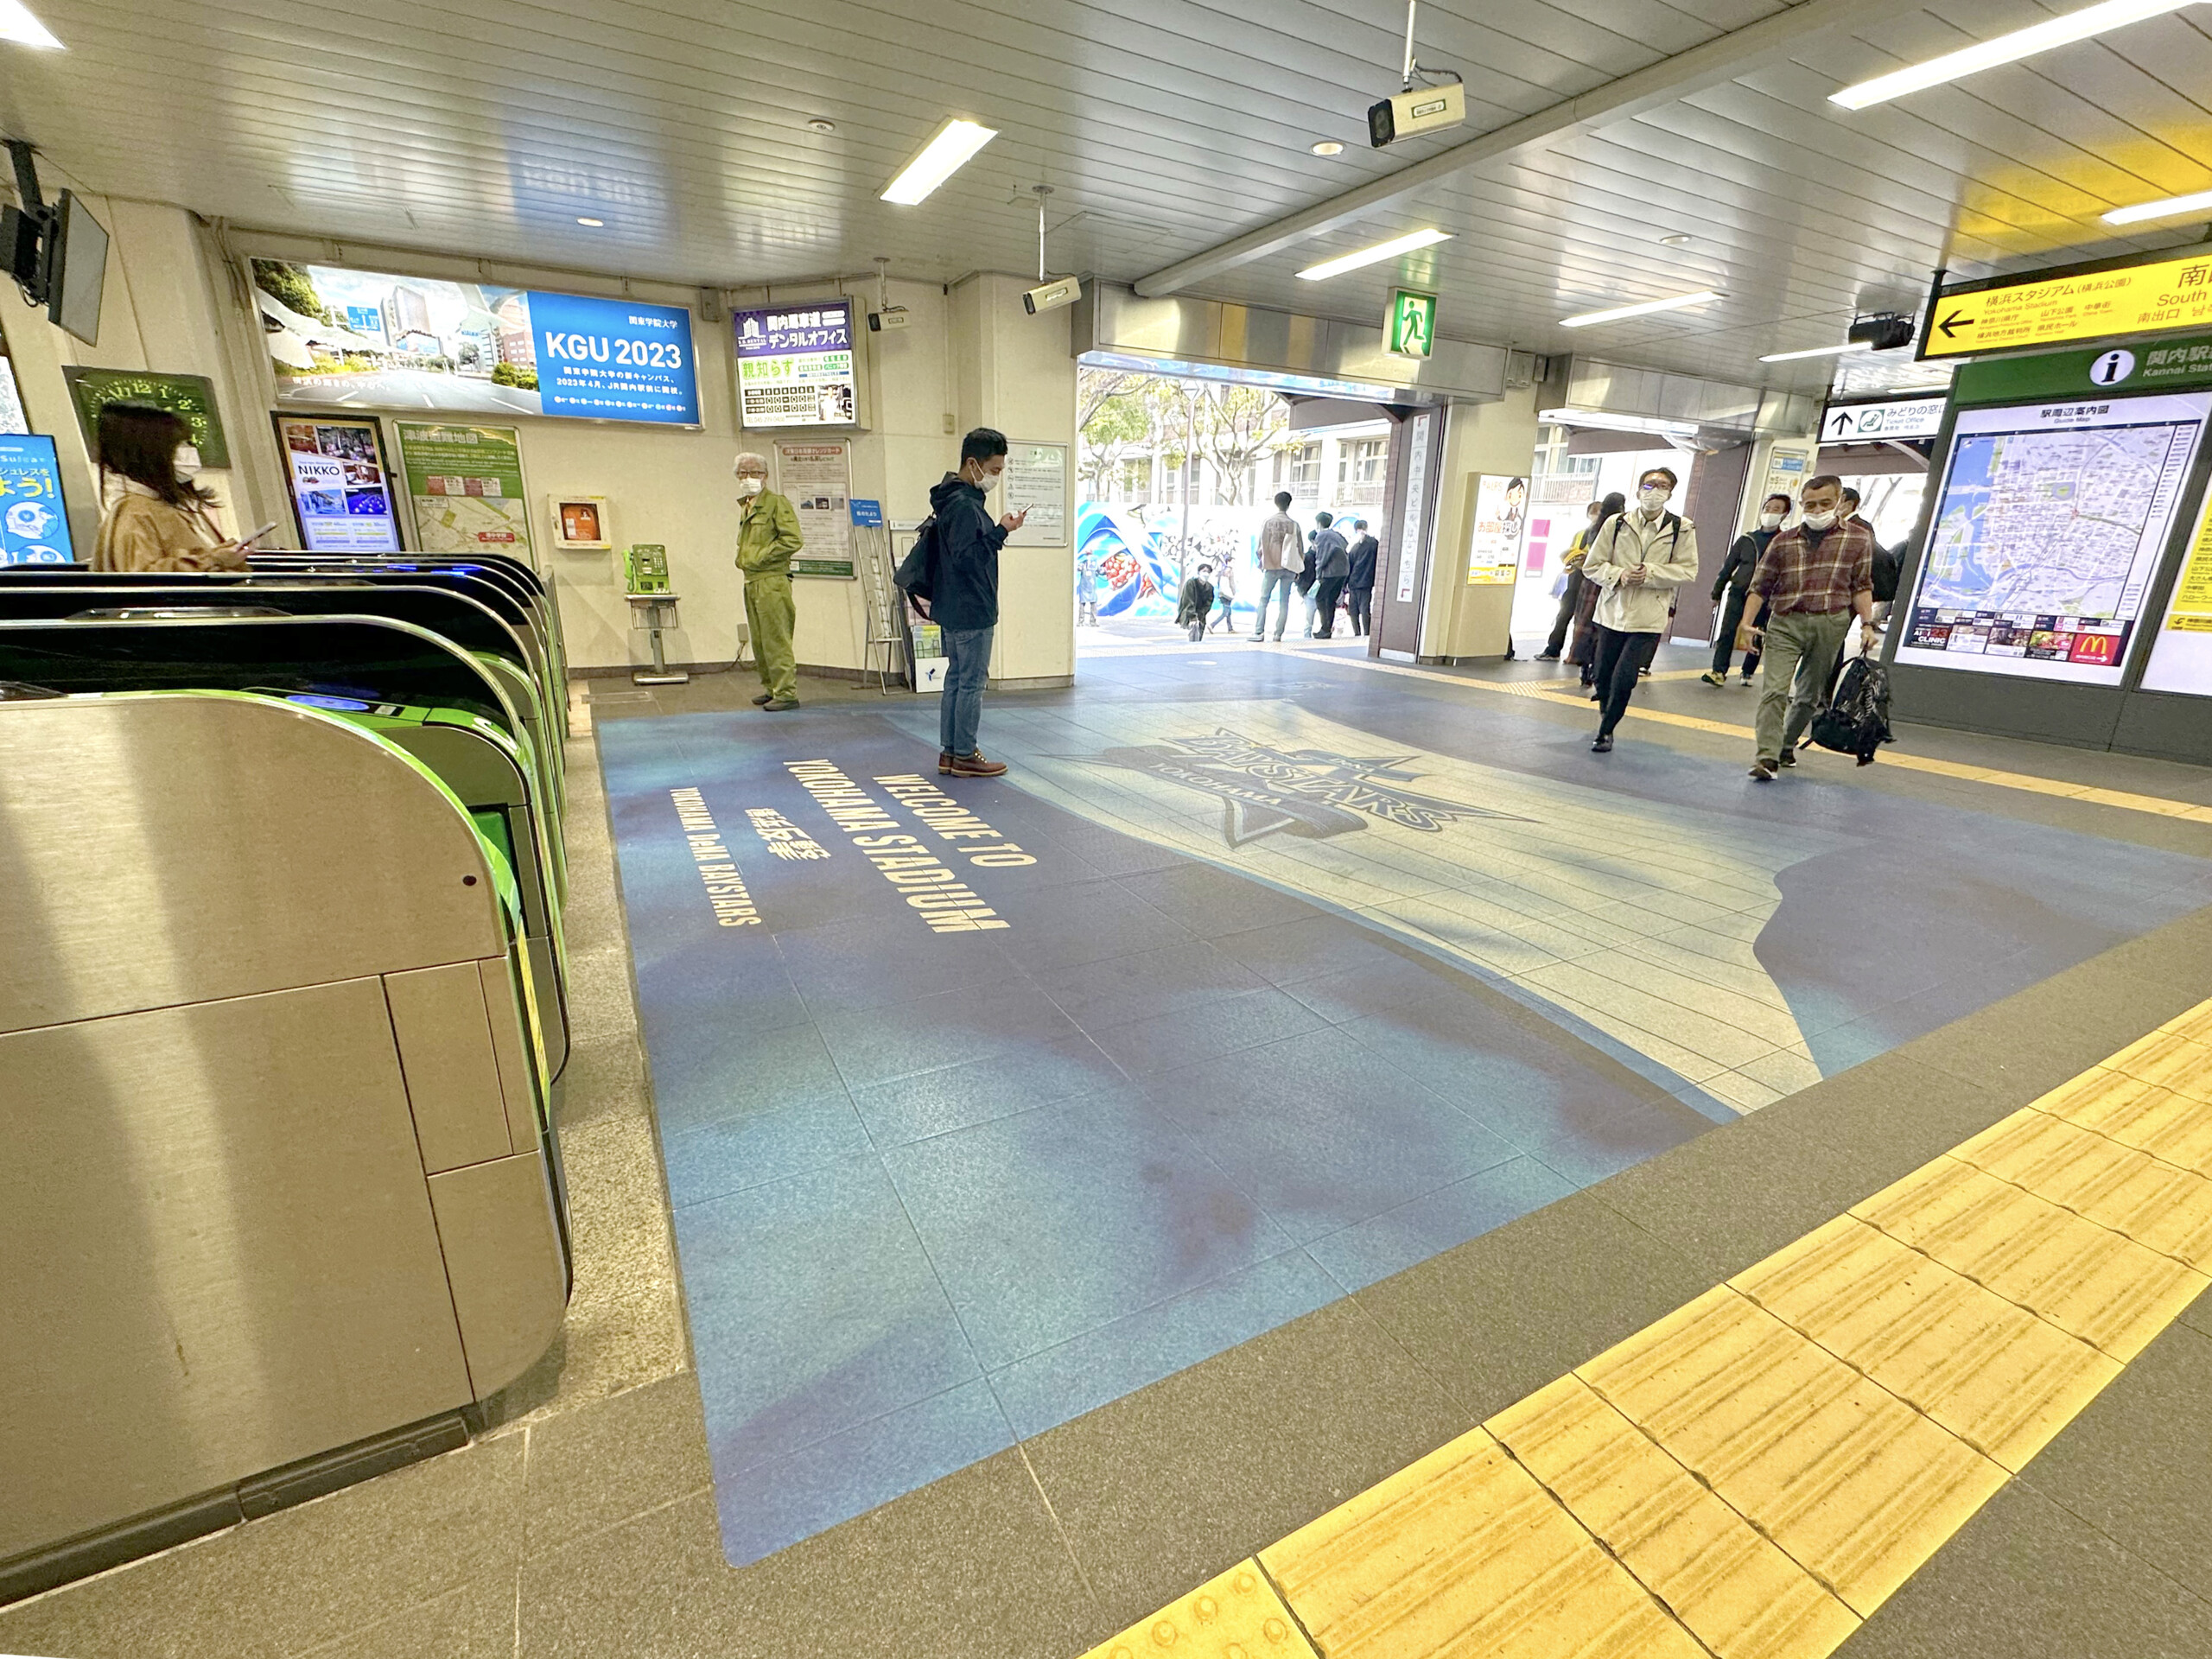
[{"x": 2113, "y": 368}]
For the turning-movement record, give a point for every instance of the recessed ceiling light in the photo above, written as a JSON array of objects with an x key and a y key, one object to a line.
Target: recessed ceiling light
[
  {"x": 1328, "y": 147},
  {"x": 1820, "y": 350},
  {"x": 2167, "y": 209},
  {"x": 596, "y": 224},
  {"x": 821, "y": 123},
  {"x": 1380, "y": 251},
  {"x": 17, "y": 25},
  {"x": 1620, "y": 313},
  {"x": 2005, "y": 48},
  {"x": 945, "y": 154},
  {"x": 1679, "y": 239}
]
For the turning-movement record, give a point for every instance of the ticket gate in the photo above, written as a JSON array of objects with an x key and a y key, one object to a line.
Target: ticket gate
[
  {"x": 281, "y": 1199},
  {"x": 481, "y": 747}
]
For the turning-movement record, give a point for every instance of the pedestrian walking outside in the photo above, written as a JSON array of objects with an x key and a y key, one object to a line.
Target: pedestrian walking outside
[
  {"x": 1583, "y": 650},
  {"x": 1332, "y": 570},
  {"x": 1814, "y": 577},
  {"x": 1569, "y": 586},
  {"x": 1735, "y": 580},
  {"x": 1635, "y": 561},
  {"x": 1306, "y": 578},
  {"x": 1280, "y": 564},
  {"x": 767, "y": 537},
  {"x": 964, "y": 595},
  {"x": 1359, "y": 587}
]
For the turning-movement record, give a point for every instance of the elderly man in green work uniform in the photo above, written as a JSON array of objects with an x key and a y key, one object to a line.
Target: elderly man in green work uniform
[{"x": 767, "y": 537}]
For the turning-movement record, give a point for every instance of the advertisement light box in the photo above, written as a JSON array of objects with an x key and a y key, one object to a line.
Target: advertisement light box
[
  {"x": 357, "y": 339},
  {"x": 341, "y": 495},
  {"x": 2181, "y": 655},
  {"x": 34, "y": 524},
  {"x": 795, "y": 364},
  {"x": 2047, "y": 533}
]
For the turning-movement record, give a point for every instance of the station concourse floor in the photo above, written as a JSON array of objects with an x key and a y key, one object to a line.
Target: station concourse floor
[{"x": 1323, "y": 1079}]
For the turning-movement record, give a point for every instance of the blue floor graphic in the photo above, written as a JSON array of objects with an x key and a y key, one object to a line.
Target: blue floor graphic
[{"x": 984, "y": 1104}]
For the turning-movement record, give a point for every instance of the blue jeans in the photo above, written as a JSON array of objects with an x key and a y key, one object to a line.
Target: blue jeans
[
  {"x": 968, "y": 660},
  {"x": 1271, "y": 583}
]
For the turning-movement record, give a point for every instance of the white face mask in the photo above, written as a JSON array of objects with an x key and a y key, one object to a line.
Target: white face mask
[
  {"x": 1770, "y": 520},
  {"x": 187, "y": 461},
  {"x": 1653, "y": 496},
  {"x": 1820, "y": 520},
  {"x": 750, "y": 485},
  {"x": 986, "y": 481}
]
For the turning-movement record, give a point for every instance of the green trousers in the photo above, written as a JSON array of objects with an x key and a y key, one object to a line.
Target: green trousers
[
  {"x": 1800, "y": 653},
  {"x": 769, "y": 617}
]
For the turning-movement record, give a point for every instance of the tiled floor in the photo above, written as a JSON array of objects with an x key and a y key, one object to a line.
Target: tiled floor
[{"x": 1315, "y": 974}]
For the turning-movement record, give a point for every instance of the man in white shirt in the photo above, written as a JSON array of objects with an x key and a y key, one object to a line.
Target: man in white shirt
[
  {"x": 1280, "y": 560},
  {"x": 1638, "y": 558}
]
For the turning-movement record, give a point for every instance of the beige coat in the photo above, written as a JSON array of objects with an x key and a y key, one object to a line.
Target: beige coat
[
  {"x": 143, "y": 532},
  {"x": 1669, "y": 556}
]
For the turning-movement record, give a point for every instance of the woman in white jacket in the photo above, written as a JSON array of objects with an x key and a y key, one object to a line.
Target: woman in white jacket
[{"x": 1638, "y": 558}]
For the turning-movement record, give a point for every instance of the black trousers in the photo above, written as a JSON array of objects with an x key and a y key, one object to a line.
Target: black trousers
[
  {"x": 1621, "y": 658},
  {"x": 1567, "y": 600},
  {"x": 1359, "y": 604},
  {"x": 1724, "y": 642},
  {"x": 1326, "y": 590}
]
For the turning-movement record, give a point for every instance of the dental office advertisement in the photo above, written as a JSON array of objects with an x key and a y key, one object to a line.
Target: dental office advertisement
[
  {"x": 360, "y": 339},
  {"x": 795, "y": 364},
  {"x": 34, "y": 524}
]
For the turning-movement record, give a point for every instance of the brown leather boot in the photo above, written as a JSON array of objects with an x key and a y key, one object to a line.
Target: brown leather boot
[{"x": 975, "y": 765}]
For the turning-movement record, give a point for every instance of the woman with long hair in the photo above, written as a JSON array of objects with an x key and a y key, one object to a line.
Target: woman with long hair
[
  {"x": 159, "y": 519},
  {"x": 1583, "y": 651}
]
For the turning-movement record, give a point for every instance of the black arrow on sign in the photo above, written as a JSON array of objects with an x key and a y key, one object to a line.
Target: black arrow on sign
[
  {"x": 1952, "y": 324},
  {"x": 1841, "y": 423}
]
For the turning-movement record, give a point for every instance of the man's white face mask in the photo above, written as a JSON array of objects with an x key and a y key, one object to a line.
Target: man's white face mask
[
  {"x": 750, "y": 485},
  {"x": 1770, "y": 521}
]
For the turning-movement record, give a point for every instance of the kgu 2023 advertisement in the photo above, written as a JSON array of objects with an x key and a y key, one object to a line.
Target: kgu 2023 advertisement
[{"x": 360, "y": 339}]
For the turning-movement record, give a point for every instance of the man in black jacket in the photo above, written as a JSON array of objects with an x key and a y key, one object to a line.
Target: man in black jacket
[
  {"x": 964, "y": 596},
  {"x": 1332, "y": 566},
  {"x": 1359, "y": 589},
  {"x": 1736, "y": 578}
]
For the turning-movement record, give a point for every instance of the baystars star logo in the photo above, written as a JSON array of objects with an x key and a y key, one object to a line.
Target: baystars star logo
[{"x": 1307, "y": 792}]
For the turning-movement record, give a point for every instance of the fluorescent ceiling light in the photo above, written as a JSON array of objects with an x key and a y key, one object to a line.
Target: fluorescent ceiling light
[
  {"x": 1606, "y": 420},
  {"x": 17, "y": 25},
  {"x": 1620, "y": 312},
  {"x": 1820, "y": 350},
  {"x": 939, "y": 159},
  {"x": 1380, "y": 251},
  {"x": 2005, "y": 48},
  {"x": 2165, "y": 209},
  {"x": 595, "y": 224}
]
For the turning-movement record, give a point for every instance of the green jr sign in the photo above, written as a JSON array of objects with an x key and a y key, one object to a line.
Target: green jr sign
[{"x": 1410, "y": 329}]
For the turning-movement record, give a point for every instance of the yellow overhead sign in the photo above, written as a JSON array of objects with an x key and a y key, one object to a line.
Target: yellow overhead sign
[{"x": 2131, "y": 300}]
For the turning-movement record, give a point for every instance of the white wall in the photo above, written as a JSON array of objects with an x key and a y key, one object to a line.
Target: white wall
[{"x": 1459, "y": 620}]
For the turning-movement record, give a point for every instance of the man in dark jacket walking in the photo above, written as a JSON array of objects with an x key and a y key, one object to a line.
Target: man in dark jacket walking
[
  {"x": 1736, "y": 578},
  {"x": 1359, "y": 587},
  {"x": 1332, "y": 568},
  {"x": 964, "y": 596}
]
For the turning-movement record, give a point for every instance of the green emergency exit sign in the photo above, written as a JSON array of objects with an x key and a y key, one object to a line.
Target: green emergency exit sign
[{"x": 1410, "y": 330}]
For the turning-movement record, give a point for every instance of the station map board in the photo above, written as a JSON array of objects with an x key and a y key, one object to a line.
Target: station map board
[{"x": 2047, "y": 534}]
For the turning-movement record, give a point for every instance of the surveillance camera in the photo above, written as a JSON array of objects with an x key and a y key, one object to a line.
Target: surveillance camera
[
  {"x": 891, "y": 317},
  {"x": 1886, "y": 333},
  {"x": 1065, "y": 291},
  {"x": 1422, "y": 109}
]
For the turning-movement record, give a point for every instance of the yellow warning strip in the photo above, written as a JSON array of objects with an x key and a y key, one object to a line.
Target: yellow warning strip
[{"x": 1753, "y": 1476}]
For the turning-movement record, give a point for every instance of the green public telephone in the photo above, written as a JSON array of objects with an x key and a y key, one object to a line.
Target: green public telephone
[{"x": 646, "y": 564}]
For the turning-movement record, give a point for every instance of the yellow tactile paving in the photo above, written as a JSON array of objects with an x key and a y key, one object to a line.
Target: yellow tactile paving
[
  {"x": 1464, "y": 1552},
  {"x": 1237, "y": 1616},
  {"x": 1857, "y": 1486},
  {"x": 1752, "y": 1475},
  {"x": 1991, "y": 1372},
  {"x": 2100, "y": 1285},
  {"x": 1735, "y": 1590}
]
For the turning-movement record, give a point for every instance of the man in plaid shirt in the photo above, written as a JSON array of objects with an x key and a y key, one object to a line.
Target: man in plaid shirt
[{"x": 1812, "y": 577}]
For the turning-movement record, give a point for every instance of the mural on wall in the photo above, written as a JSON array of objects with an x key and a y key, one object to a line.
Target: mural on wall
[{"x": 1130, "y": 561}]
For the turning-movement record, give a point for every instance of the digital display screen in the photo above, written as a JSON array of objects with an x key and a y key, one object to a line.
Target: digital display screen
[
  {"x": 364, "y": 339},
  {"x": 34, "y": 524},
  {"x": 795, "y": 364},
  {"x": 2047, "y": 533},
  {"x": 342, "y": 493}
]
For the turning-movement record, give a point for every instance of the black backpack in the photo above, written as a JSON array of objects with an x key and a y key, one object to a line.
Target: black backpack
[
  {"x": 915, "y": 575},
  {"x": 1857, "y": 719},
  {"x": 1889, "y": 563}
]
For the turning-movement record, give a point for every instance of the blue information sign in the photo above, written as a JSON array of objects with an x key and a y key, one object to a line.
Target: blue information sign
[
  {"x": 868, "y": 515},
  {"x": 614, "y": 360},
  {"x": 34, "y": 522}
]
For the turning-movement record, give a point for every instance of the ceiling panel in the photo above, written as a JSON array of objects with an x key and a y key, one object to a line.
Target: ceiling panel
[{"x": 1165, "y": 128}]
